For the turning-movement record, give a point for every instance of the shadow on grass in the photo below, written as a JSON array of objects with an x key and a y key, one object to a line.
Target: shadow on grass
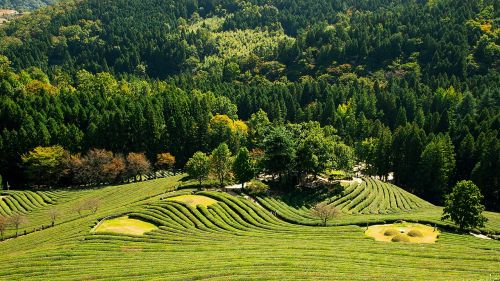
[{"x": 308, "y": 196}]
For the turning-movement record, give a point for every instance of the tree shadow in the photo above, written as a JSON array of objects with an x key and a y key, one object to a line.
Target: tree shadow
[{"x": 310, "y": 195}]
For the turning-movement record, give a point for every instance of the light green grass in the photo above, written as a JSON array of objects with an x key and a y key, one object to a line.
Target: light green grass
[
  {"x": 234, "y": 239},
  {"x": 194, "y": 200},
  {"x": 125, "y": 225}
]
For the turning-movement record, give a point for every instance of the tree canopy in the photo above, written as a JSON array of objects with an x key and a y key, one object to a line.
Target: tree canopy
[
  {"x": 386, "y": 76},
  {"x": 464, "y": 206}
]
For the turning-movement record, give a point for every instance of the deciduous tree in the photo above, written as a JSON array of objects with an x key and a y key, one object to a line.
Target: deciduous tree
[
  {"x": 221, "y": 163},
  {"x": 137, "y": 165},
  {"x": 279, "y": 156},
  {"x": 53, "y": 214},
  {"x": 45, "y": 165},
  {"x": 198, "y": 166},
  {"x": 325, "y": 212},
  {"x": 463, "y": 206},
  {"x": 243, "y": 167},
  {"x": 4, "y": 222},
  {"x": 17, "y": 220},
  {"x": 165, "y": 161}
]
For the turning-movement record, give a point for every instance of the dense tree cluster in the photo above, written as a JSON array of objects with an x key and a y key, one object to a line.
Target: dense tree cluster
[
  {"x": 289, "y": 153},
  {"x": 412, "y": 85},
  {"x": 53, "y": 165}
]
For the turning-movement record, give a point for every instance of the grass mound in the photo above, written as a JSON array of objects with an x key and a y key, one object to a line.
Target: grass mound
[
  {"x": 194, "y": 200},
  {"x": 125, "y": 225},
  {"x": 403, "y": 232},
  {"x": 391, "y": 232},
  {"x": 400, "y": 238},
  {"x": 415, "y": 233}
]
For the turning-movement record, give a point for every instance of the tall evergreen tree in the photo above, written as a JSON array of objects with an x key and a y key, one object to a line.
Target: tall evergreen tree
[{"x": 436, "y": 167}]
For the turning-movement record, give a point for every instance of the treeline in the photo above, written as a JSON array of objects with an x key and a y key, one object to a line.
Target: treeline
[{"x": 55, "y": 166}]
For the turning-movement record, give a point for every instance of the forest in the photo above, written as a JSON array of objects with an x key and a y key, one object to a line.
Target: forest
[
  {"x": 409, "y": 87},
  {"x": 25, "y": 5}
]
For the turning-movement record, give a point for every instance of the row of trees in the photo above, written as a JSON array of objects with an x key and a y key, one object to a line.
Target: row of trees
[
  {"x": 222, "y": 165},
  {"x": 53, "y": 165}
]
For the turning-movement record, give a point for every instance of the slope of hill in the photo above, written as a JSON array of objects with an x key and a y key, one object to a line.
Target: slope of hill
[
  {"x": 233, "y": 238},
  {"x": 25, "y": 5},
  {"x": 25, "y": 201},
  {"x": 413, "y": 78},
  {"x": 369, "y": 197}
]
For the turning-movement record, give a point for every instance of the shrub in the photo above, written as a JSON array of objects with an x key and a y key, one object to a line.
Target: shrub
[
  {"x": 400, "y": 238},
  {"x": 256, "y": 188},
  {"x": 415, "y": 233},
  {"x": 391, "y": 232}
]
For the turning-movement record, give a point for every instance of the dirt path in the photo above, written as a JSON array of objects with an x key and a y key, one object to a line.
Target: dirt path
[{"x": 482, "y": 236}]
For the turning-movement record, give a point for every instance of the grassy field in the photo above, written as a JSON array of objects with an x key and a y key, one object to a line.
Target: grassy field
[
  {"x": 234, "y": 239},
  {"x": 124, "y": 225}
]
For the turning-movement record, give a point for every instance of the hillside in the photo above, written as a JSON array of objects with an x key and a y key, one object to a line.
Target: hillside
[
  {"x": 411, "y": 95},
  {"x": 25, "y": 5},
  {"x": 228, "y": 238},
  {"x": 249, "y": 140}
]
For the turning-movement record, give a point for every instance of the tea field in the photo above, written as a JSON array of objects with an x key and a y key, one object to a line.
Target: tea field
[{"x": 234, "y": 237}]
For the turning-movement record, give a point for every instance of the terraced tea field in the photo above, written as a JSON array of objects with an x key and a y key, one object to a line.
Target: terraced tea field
[
  {"x": 25, "y": 201},
  {"x": 236, "y": 238}
]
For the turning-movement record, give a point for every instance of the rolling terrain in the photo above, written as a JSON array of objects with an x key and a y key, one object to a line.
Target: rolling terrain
[{"x": 236, "y": 238}]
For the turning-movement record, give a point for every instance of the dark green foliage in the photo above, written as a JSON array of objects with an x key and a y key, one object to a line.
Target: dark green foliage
[
  {"x": 279, "y": 152},
  {"x": 408, "y": 144},
  {"x": 389, "y": 71},
  {"x": 464, "y": 206},
  {"x": 436, "y": 167},
  {"x": 243, "y": 168}
]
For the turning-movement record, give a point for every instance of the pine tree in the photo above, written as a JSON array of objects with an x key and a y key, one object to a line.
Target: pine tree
[{"x": 436, "y": 168}]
